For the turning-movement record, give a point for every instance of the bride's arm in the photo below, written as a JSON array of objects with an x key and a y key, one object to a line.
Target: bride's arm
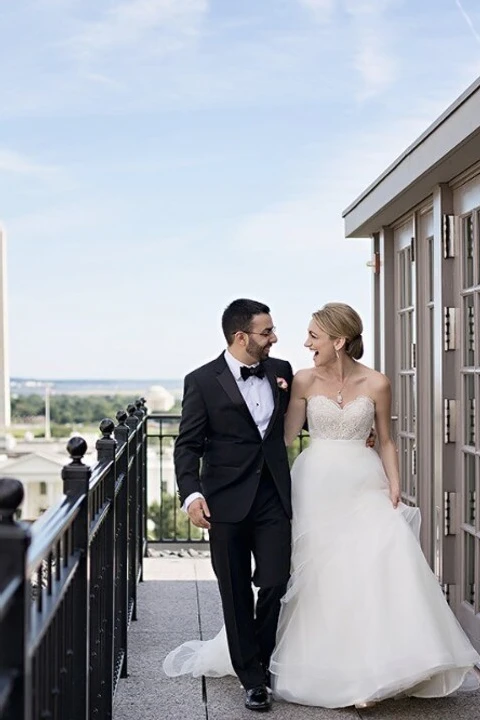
[
  {"x": 297, "y": 408},
  {"x": 388, "y": 451}
]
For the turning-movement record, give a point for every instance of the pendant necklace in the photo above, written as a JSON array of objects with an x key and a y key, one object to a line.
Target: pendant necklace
[{"x": 339, "y": 392}]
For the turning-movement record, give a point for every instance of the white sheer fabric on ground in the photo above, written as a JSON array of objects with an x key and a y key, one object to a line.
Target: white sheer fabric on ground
[{"x": 200, "y": 657}]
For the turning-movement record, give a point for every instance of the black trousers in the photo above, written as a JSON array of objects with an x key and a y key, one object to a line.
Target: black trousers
[{"x": 265, "y": 533}]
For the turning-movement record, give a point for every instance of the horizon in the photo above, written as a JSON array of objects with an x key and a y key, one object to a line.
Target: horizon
[{"x": 35, "y": 378}]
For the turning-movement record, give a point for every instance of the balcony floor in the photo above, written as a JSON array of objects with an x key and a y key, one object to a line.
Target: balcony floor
[{"x": 179, "y": 601}]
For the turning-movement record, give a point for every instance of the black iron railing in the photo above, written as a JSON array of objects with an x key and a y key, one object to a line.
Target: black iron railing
[
  {"x": 68, "y": 582},
  {"x": 166, "y": 521}
]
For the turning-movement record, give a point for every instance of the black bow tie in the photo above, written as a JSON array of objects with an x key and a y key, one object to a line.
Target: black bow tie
[{"x": 247, "y": 371}]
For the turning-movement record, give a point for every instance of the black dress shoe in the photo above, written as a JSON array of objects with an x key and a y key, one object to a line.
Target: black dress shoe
[{"x": 258, "y": 698}]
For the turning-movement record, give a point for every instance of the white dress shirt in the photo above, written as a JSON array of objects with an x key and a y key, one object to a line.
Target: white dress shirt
[{"x": 258, "y": 397}]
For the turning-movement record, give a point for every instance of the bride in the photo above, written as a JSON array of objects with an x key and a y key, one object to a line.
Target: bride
[{"x": 363, "y": 618}]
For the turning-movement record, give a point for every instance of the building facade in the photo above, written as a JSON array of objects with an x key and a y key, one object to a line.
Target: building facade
[
  {"x": 42, "y": 482},
  {"x": 423, "y": 215}
]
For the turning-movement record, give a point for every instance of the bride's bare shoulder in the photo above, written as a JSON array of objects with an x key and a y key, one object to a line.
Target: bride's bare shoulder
[
  {"x": 377, "y": 381},
  {"x": 304, "y": 375},
  {"x": 303, "y": 379}
]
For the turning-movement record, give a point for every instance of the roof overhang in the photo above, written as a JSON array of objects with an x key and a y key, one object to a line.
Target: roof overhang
[{"x": 446, "y": 149}]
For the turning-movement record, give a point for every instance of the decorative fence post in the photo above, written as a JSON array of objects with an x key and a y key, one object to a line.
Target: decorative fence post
[
  {"x": 106, "y": 448},
  {"x": 133, "y": 502},
  {"x": 132, "y": 419},
  {"x": 76, "y": 480},
  {"x": 122, "y": 533},
  {"x": 141, "y": 413},
  {"x": 14, "y": 605},
  {"x": 121, "y": 430}
]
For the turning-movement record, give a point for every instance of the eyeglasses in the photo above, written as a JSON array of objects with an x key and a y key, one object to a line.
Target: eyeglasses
[{"x": 264, "y": 333}]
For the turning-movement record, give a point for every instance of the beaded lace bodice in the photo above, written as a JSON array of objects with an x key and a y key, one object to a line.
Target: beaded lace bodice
[{"x": 329, "y": 421}]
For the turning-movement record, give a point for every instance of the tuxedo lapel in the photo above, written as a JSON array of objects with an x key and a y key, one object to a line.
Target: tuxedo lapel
[{"x": 229, "y": 384}]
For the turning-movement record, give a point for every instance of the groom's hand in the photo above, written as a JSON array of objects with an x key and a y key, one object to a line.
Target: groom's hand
[
  {"x": 199, "y": 513},
  {"x": 372, "y": 438}
]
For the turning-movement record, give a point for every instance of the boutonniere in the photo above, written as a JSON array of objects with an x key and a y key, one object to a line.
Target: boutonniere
[{"x": 282, "y": 384}]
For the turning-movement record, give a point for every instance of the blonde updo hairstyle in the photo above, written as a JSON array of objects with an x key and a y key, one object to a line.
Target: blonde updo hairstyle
[{"x": 339, "y": 320}]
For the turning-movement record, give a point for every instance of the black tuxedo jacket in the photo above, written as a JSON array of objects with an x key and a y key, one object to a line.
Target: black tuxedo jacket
[{"x": 219, "y": 451}]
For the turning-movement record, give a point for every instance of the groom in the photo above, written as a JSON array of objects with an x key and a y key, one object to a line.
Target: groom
[{"x": 234, "y": 480}]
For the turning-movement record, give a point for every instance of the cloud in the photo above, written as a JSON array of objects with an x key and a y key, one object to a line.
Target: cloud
[
  {"x": 322, "y": 9},
  {"x": 374, "y": 63},
  {"x": 468, "y": 20},
  {"x": 128, "y": 24},
  {"x": 109, "y": 58},
  {"x": 104, "y": 80},
  {"x": 309, "y": 218},
  {"x": 367, "y": 39},
  {"x": 294, "y": 225},
  {"x": 14, "y": 163}
]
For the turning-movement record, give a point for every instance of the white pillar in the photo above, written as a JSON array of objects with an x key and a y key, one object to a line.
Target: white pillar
[
  {"x": 48, "y": 434},
  {"x": 4, "y": 371}
]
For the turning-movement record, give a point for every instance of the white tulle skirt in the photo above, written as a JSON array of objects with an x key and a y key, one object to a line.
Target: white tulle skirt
[{"x": 363, "y": 618}]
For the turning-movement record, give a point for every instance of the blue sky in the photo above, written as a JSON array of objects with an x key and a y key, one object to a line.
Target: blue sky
[{"x": 159, "y": 158}]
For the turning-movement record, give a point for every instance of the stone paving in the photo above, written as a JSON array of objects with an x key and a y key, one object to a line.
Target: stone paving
[{"x": 179, "y": 601}]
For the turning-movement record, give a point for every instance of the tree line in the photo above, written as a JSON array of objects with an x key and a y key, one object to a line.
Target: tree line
[{"x": 69, "y": 409}]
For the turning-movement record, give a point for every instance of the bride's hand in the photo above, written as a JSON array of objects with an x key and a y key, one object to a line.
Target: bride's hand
[{"x": 395, "y": 495}]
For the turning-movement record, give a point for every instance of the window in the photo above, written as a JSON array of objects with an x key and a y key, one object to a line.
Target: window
[{"x": 43, "y": 488}]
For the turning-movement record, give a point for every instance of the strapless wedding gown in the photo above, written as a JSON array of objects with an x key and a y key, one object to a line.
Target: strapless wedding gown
[{"x": 363, "y": 618}]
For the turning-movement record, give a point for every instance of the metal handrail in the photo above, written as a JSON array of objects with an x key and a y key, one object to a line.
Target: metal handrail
[{"x": 68, "y": 582}]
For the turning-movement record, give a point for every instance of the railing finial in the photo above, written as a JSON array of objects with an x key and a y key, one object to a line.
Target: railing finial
[
  {"x": 141, "y": 409},
  {"x": 11, "y": 497},
  {"x": 106, "y": 445},
  {"x": 122, "y": 430},
  {"x": 132, "y": 419},
  {"x": 76, "y": 475},
  {"x": 76, "y": 448},
  {"x": 121, "y": 416},
  {"x": 106, "y": 427}
]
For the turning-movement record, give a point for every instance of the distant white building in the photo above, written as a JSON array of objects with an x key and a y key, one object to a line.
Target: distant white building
[
  {"x": 160, "y": 473},
  {"x": 41, "y": 478},
  {"x": 159, "y": 399},
  {"x": 38, "y": 465},
  {"x": 40, "y": 472}
]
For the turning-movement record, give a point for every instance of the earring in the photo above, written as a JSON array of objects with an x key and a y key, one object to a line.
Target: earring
[{"x": 337, "y": 354}]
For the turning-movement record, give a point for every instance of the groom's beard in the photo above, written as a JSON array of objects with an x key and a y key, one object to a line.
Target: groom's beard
[{"x": 257, "y": 352}]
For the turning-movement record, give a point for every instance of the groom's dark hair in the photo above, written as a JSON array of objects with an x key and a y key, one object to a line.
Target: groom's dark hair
[{"x": 237, "y": 317}]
